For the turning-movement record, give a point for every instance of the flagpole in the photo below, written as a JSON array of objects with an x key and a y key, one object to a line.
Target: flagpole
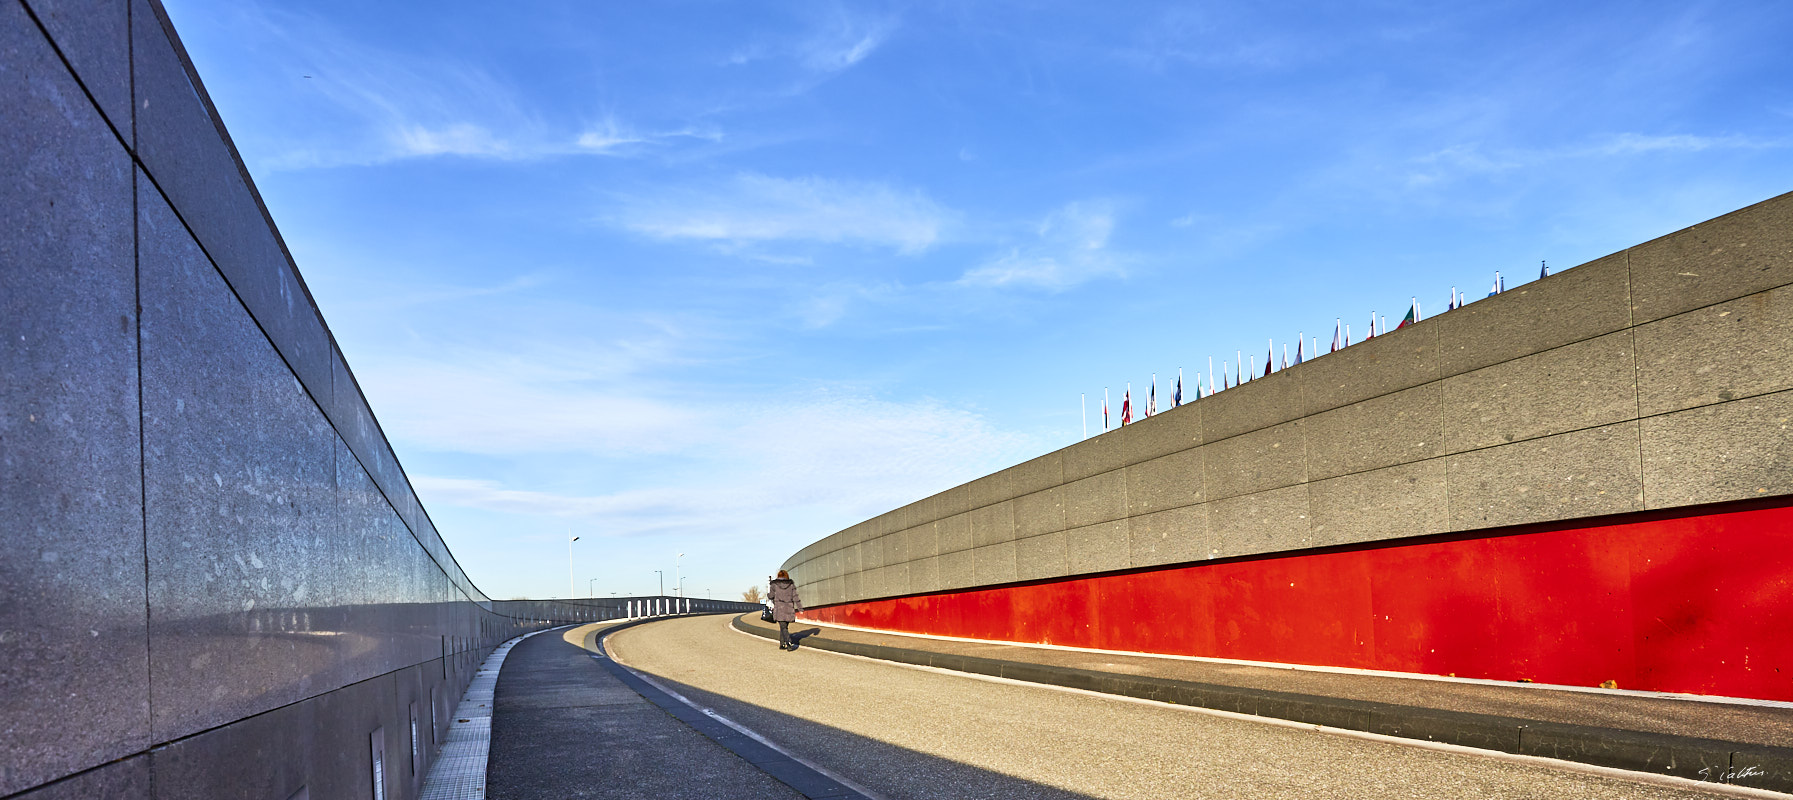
[{"x": 1105, "y": 408}]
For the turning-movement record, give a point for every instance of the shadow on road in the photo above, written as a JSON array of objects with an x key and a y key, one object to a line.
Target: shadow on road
[{"x": 888, "y": 770}]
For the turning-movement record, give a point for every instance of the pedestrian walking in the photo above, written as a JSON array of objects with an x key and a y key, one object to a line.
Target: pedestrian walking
[{"x": 785, "y": 607}]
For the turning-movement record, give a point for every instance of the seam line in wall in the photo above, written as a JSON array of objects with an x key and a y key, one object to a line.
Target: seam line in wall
[{"x": 69, "y": 67}]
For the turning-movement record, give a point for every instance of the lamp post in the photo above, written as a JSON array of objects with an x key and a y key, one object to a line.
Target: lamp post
[
  {"x": 676, "y": 572},
  {"x": 571, "y": 539},
  {"x": 589, "y": 594},
  {"x": 662, "y": 574}
]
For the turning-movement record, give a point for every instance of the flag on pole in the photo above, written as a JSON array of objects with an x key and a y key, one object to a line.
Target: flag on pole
[
  {"x": 1104, "y": 408},
  {"x": 1127, "y": 405},
  {"x": 1238, "y": 367},
  {"x": 1412, "y": 315},
  {"x": 1372, "y": 327},
  {"x": 1254, "y": 369},
  {"x": 1453, "y": 305},
  {"x": 1300, "y": 343},
  {"x": 1269, "y": 356},
  {"x": 1211, "y": 375},
  {"x": 1337, "y": 342},
  {"x": 1152, "y": 397},
  {"x": 1285, "y": 355},
  {"x": 1543, "y": 271},
  {"x": 1347, "y": 335},
  {"x": 1176, "y": 400},
  {"x": 1498, "y": 286}
]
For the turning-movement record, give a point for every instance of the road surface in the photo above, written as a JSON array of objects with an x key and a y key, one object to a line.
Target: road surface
[{"x": 903, "y": 732}]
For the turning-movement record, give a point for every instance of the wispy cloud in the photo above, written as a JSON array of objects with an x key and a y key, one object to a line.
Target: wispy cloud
[
  {"x": 1069, "y": 247},
  {"x": 1472, "y": 159},
  {"x": 758, "y": 208},
  {"x": 387, "y": 105},
  {"x": 847, "y": 40},
  {"x": 1625, "y": 144},
  {"x": 847, "y": 451},
  {"x": 838, "y": 39}
]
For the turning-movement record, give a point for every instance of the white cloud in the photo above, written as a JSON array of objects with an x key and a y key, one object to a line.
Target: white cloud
[
  {"x": 757, "y": 208},
  {"x": 848, "y": 45},
  {"x": 578, "y": 397},
  {"x": 1471, "y": 159},
  {"x": 1633, "y": 143},
  {"x": 458, "y": 139},
  {"x": 849, "y": 452},
  {"x": 385, "y": 105},
  {"x": 613, "y": 138},
  {"x": 1070, "y": 247},
  {"x": 840, "y": 39}
]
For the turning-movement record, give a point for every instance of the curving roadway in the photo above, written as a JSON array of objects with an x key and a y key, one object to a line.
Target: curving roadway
[{"x": 906, "y": 732}]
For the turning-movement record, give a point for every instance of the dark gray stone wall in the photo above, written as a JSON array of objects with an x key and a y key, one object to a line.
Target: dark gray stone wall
[
  {"x": 218, "y": 581},
  {"x": 1654, "y": 378}
]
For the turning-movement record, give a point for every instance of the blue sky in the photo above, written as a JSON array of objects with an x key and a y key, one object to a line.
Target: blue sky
[{"x": 723, "y": 278}]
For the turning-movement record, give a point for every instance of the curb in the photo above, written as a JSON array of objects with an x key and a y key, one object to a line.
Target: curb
[
  {"x": 798, "y": 776},
  {"x": 1710, "y": 761}
]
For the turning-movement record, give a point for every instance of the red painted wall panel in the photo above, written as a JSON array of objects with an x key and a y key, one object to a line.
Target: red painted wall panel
[{"x": 1700, "y": 604}]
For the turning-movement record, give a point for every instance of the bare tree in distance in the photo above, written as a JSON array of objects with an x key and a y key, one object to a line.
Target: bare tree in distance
[{"x": 752, "y": 595}]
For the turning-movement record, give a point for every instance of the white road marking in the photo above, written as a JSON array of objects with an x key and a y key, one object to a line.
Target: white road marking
[{"x": 747, "y": 732}]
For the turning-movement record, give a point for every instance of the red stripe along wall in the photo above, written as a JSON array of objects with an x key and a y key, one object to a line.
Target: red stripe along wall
[{"x": 1700, "y": 603}]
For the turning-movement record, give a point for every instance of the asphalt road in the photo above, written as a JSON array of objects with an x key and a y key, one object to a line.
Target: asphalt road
[{"x": 905, "y": 733}]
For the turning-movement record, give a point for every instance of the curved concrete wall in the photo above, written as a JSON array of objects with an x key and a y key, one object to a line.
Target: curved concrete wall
[
  {"x": 1655, "y": 378},
  {"x": 216, "y": 571}
]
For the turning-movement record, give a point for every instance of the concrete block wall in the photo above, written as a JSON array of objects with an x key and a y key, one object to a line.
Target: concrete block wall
[
  {"x": 1653, "y": 378},
  {"x": 217, "y": 579}
]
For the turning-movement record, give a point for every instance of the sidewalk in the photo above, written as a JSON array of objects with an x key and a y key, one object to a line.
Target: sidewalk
[
  {"x": 1738, "y": 742},
  {"x": 564, "y": 726}
]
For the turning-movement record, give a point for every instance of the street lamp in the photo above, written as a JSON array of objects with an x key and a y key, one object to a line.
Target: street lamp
[
  {"x": 662, "y": 574},
  {"x": 589, "y": 594},
  {"x": 570, "y": 541},
  {"x": 680, "y": 582}
]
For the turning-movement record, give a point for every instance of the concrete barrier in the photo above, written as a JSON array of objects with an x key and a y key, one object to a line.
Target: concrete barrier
[
  {"x": 216, "y": 571},
  {"x": 1630, "y": 415}
]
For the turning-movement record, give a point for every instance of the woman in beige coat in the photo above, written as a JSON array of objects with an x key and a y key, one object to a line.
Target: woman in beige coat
[{"x": 785, "y": 607}]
